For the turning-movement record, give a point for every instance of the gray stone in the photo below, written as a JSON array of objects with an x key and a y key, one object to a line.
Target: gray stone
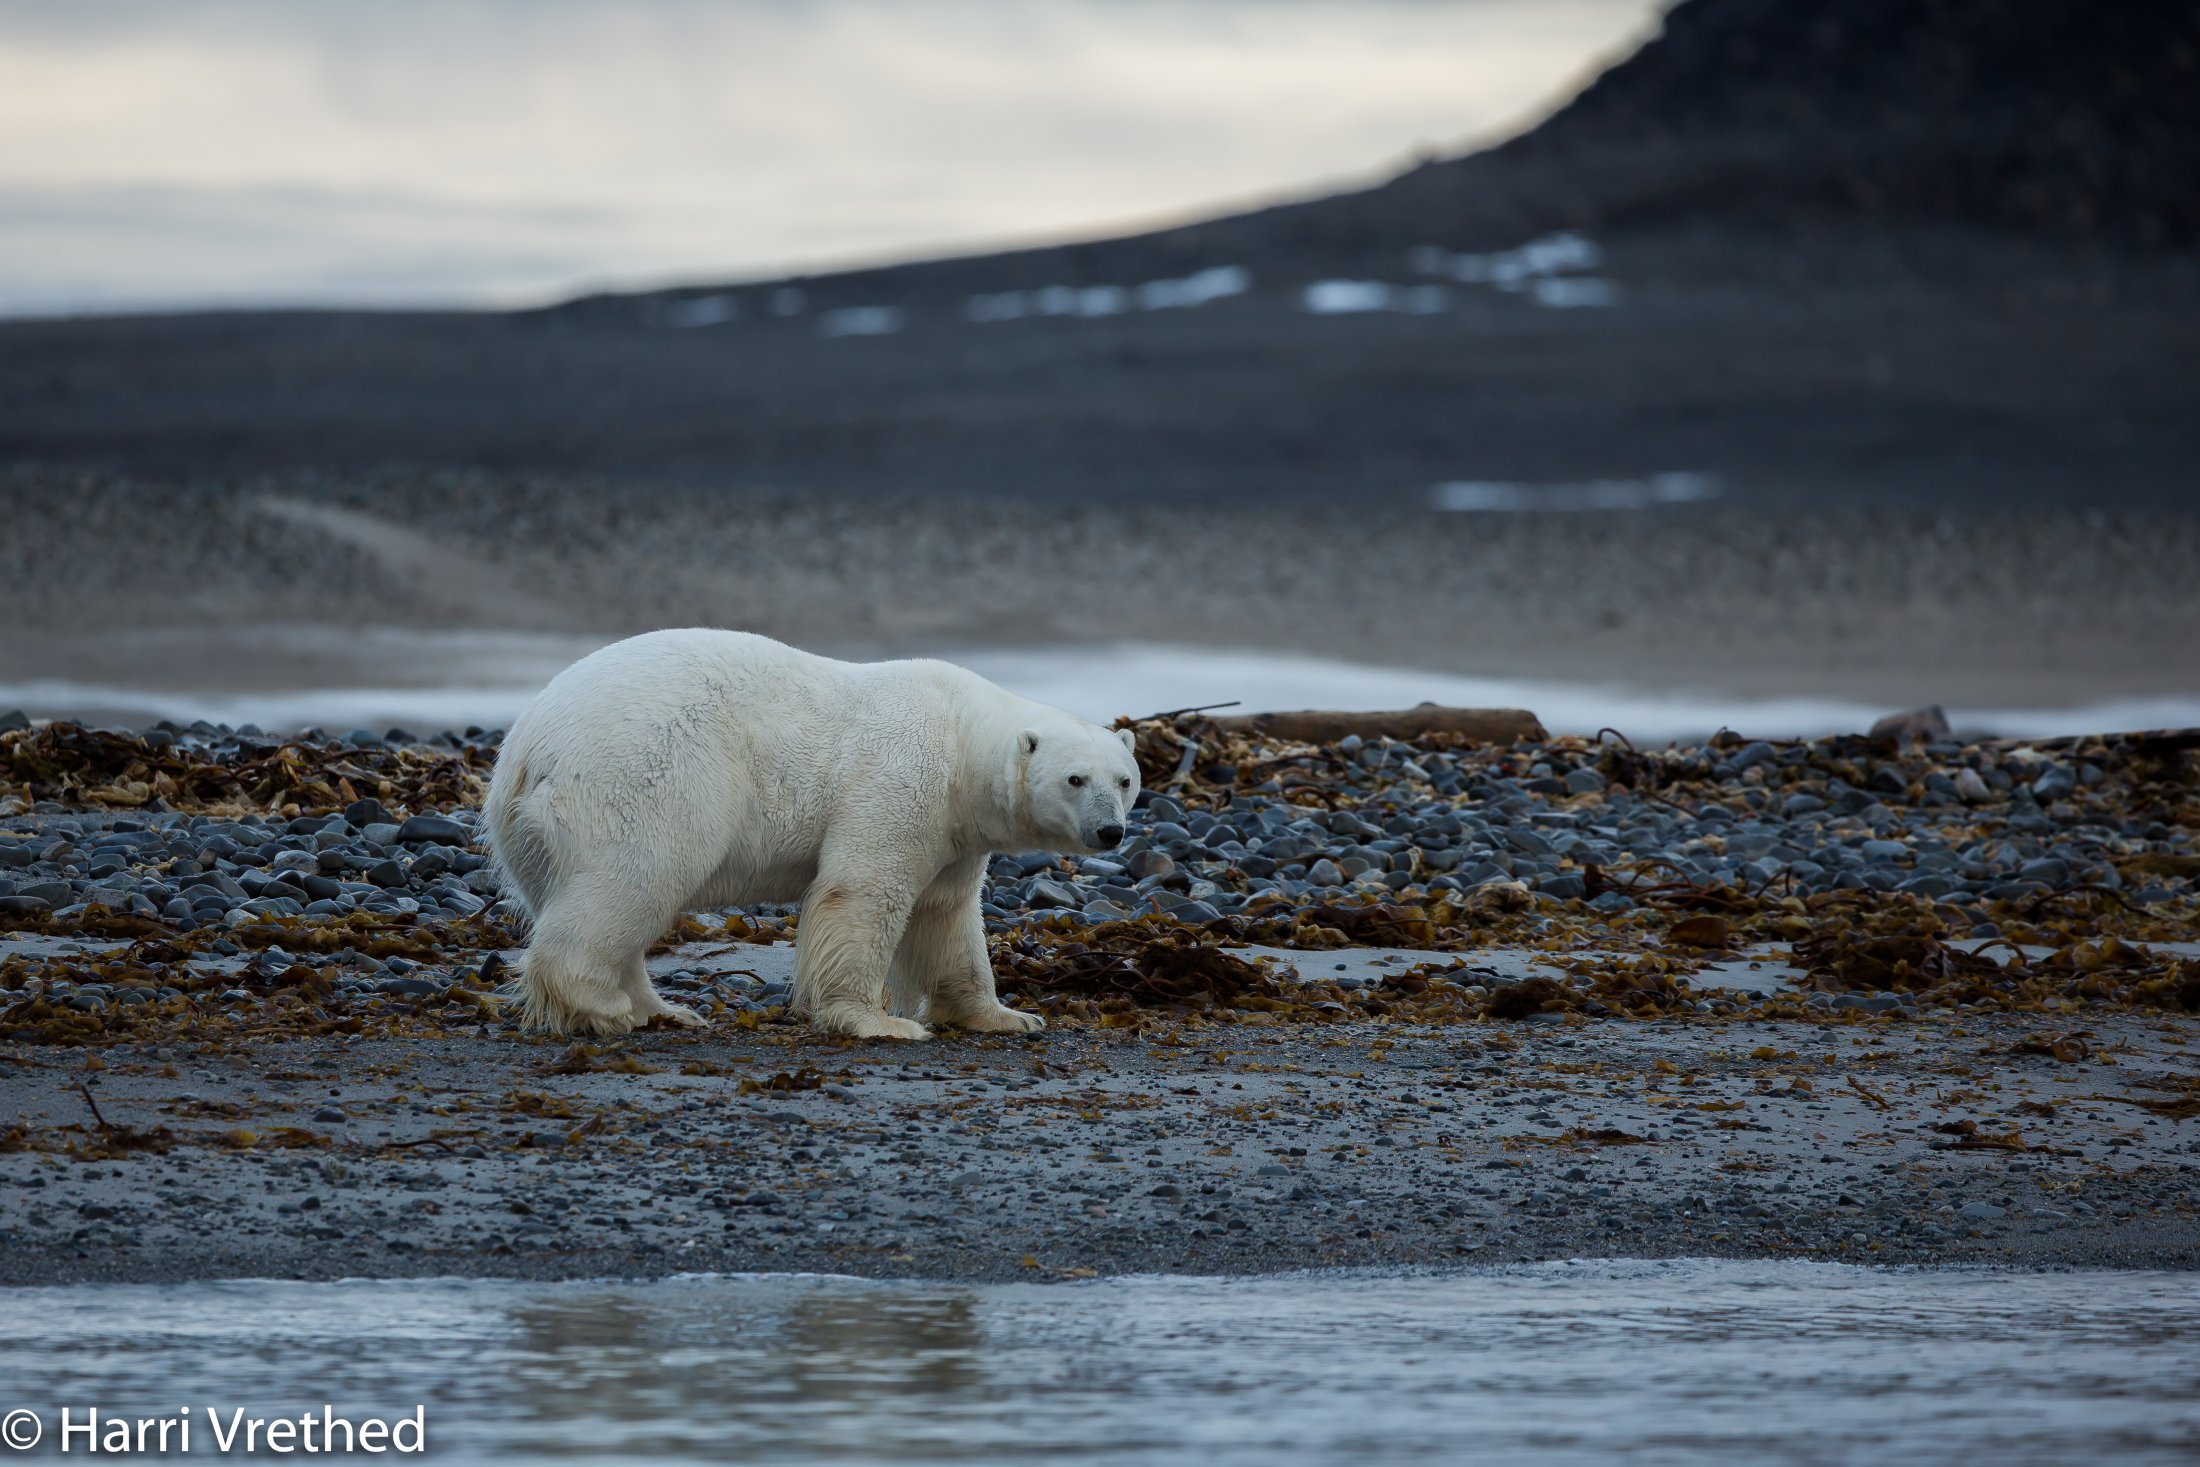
[
  {"x": 1527, "y": 842},
  {"x": 1325, "y": 872},
  {"x": 2054, "y": 783},
  {"x": 1981, "y": 1212},
  {"x": 440, "y": 829},
  {"x": 1584, "y": 782},
  {"x": 1043, "y": 893},
  {"x": 1564, "y": 885},
  {"x": 366, "y": 812}
]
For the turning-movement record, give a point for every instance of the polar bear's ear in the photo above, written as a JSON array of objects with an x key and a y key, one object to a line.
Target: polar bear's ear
[
  {"x": 1130, "y": 740},
  {"x": 1029, "y": 743}
]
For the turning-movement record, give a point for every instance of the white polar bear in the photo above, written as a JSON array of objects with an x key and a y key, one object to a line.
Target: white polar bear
[{"x": 701, "y": 768}]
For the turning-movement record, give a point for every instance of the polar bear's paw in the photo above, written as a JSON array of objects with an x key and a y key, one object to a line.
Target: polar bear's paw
[
  {"x": 999, "y": 1020},
  {"x": 678, "y": 1013},
  {"x": 860, "y": 1024},
  {"x": 576, "y": 1021}
]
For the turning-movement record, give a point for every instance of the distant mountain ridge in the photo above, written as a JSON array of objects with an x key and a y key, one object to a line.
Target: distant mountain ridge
[
  {"x": 2073, "y": 122},
  {"x": 2066, "y": 118}
]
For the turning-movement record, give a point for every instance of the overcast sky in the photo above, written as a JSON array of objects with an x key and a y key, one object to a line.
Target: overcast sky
[{"x": 180, "y": 152}]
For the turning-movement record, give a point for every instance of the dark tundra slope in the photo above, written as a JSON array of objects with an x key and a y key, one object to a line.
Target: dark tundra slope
[{"x": 1933, "y": 252}]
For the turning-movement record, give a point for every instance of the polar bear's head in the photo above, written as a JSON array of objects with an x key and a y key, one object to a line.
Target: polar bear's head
[{"x": 1079, "y": 781}]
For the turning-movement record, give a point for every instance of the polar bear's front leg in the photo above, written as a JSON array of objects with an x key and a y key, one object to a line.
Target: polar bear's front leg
[
  {"x": 944, "y": 952},
  {"x": 850, "y": 927}
]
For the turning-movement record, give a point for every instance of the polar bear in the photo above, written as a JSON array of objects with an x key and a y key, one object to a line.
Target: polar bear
[{"x": 704, "y": 768}]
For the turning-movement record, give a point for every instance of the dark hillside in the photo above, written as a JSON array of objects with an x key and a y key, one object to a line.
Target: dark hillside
[{"x": 1927, "y": 252}]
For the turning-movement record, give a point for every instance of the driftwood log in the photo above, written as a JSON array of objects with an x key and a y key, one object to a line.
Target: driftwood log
[{"x": 1323, "y": 726}]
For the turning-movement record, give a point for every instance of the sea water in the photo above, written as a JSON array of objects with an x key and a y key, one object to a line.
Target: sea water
[{"x": 1681, "y": 1361}]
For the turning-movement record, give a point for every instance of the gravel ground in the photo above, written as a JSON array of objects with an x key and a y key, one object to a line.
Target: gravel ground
[{"x": 280, "y": 1019}]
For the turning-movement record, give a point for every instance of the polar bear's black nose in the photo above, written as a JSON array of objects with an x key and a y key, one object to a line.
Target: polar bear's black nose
[{"x": 1110, "y": 835}]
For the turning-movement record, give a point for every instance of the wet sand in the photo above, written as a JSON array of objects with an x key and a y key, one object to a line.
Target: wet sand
[{"x": 1228, "y": 1152}]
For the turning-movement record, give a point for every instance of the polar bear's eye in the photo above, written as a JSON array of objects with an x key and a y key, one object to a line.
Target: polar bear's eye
[
  {"x": 1122, "y": 784},
  {"x": 1077, "y": 781}
]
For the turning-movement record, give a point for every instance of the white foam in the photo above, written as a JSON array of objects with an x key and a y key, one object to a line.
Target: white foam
[
  {"x": 1102, "y": 682},
  {"x": 1485, "y": 496},
  {"x": 463, "y": 677},
  {"x": 860, "y": 321}
]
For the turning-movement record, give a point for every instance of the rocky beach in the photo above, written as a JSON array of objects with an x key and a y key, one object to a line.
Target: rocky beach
[{"x": 1369, "y": 1002}]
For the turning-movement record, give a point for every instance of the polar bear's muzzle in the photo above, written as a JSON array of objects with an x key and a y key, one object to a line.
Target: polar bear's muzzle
[{"x": 1106, "y": 838}]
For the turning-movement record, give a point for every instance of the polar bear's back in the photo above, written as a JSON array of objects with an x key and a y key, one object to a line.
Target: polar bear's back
[
  {"x": 773, "y": 710},
  {"x": 700, "y": 741}
]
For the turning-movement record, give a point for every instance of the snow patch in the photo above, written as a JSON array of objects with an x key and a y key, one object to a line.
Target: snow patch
[
  {"x": 1353, "y": 297},
  {"x": 700, "y": 310},
  {"x": 1482, "y": 496},
  {"x": 860, "y": 321},
  {"x": 1196, "y": 289},
  {"x": 1534, "y": 269}
]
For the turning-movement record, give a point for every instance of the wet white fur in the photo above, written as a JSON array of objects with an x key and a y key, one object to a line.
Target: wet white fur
[{"x": 699, "y": 768}]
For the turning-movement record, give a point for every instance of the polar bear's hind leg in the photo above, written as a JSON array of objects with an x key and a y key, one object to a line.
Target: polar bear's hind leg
[{"x": 588, "y": 943}]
